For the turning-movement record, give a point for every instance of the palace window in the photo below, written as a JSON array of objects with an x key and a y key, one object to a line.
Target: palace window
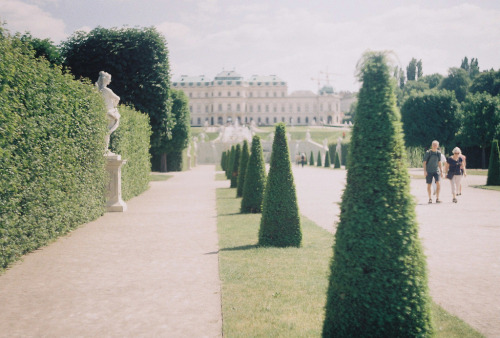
[
  {"x": 220, "y": 107},
  {"x": 267, "y": 108},
  {"x": 238, "y": 107},
  {"x": 228, "y": 93},
  {"x": 258, "y": 109}
]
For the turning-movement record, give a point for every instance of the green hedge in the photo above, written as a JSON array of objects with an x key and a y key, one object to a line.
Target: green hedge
[
  {"x": 131, "y": 141},
  {"x": 52, "y": 169}
]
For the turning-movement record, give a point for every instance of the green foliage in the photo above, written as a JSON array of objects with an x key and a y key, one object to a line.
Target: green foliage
[
  {"x": 230, "y": 163},
  {"x": 236, "y": 166},
  {"x": 245, "y": 155},
  {"x": 457, "y": 81},
  {"x": 429, "y": 115},
  {"x": 180, "y": 132},
  {"x": 411, "y": 70},
  {"x": 378, "y": 282},
  {"x": 43, "y": 48},
  {"x": 223, "y": 161},
  {"x": 414, "y": 156},
  {"x": 137, "y": 59},
  {"x": 318, "y": 160},
  {"x": 494, "y": 167},
  {"x": 488, "y": 82},
  {"x": 280, "y": 222},
  {"x": 131, "y": 141},
  {"x": 255, "y": 179},
  {"x": 327, "y": 159},
  {"x": 52, "y": 140},
  {"x": 479, "y": 119},
  {"x": 337, "y": 161},
  {"x": 432, "y": 80},
  {"x": 311, "y": 159},
  {"x": 471, "y": 68}
]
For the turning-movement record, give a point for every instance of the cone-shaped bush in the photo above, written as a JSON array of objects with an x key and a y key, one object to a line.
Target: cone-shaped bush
[
  {"x": 318, "y": 161},
  {"x": 311, "y": 159},
  {"x": 255, "y": 179},
  {"x": 236, "y": 166},
  {"x": 337, "y": 160},
  {"x": 245, "y": 155},
  {"x": 494, "y": 167},
  {"x": 230, "y": 162},
  {"x": 327, "y": 159},
  {"x": 280, "y": 222},
  {"x": 223, "y": 161},
  {"x": 378, "y": 282}
]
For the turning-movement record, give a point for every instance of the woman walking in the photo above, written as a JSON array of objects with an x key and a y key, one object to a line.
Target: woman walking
[{"x": 454, "y": 169}]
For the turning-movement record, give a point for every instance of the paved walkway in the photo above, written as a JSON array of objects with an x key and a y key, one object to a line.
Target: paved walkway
[
  {"x": 151, "y": 271},
  {"x": 461, "y": 241}
]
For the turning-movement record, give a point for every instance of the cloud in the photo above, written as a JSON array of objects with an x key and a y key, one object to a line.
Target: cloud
[{"x": 21, "y": 17}]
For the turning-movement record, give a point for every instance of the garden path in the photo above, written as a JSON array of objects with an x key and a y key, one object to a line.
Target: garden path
[
  {"x": 461, "y": 240},
  {"x": 150, "y": 271}
]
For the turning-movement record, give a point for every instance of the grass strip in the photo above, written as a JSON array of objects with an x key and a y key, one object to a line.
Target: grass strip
[
  {"x": 281, "y": 292},
  {"x": 487, "y": 187},
  {"x": 159, "y": 177}
]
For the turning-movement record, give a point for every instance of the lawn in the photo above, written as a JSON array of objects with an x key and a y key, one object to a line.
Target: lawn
[
  {"x": 159, "y": 177},
  {"x": 281, "y": 292}
]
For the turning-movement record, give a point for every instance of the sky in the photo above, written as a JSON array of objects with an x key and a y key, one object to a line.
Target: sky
[{"x": 304, "y": 42}]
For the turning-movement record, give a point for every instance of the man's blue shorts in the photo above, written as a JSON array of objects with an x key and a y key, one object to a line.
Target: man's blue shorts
[{"x": 429, "y": 177}]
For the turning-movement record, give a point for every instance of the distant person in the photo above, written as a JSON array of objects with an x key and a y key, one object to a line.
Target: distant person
[
  {"x": 443, "y": 161},
  {"x": 433, "y": 169},
  {"x": 303, "y": 159},
  {"x": 454, "y": 171},
  {"x": 464, "y": 172}
]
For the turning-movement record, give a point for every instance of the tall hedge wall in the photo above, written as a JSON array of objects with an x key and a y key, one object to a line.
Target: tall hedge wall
[
  {"x": 52, "y": 169},
  {"x": 131, "y": 141}
]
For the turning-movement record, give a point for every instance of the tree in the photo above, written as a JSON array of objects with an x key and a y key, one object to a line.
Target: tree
[
  {"x": 327, "y": 159},
  {"x": 223, "y": 161},
  {"x": 255, "y": 179},
  {"x": 433, "y": 80},
  {"x": 245, "y": 155},
  {"x": 180, "y": 132},
  {"x": 471, "y": 68},
  {"x": 236, "y": 166},
  {"x": 378, "y": 282},
  {"x": 419, "y": 69},
  {"x": 456, "y": 81},
  {"x": 337, "y": 161},
  {"x": 311, "y": 159},
  {"x": 411, "y": 70},
  {"x": 429, "y": 115},
  {"x": 318, "y": 161},
  {"x": 488, "y": 82},
  {"x": 480, "y": 122},
  {"x": 137, "y": 59},
  {"x": 401, "y": 79},
  {"x": 230, "y": 163},
  {"x": 494, "y": 167},
  {"x": 43, "y": 48},
  {"x": 280, "y": 222}
]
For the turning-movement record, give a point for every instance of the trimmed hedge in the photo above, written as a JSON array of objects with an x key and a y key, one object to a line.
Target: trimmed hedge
[
  {"x": 131, "y": 141},
  {"x": 245, "y": 154},
  {"x": 337, "y": 161},
  {"x": 327, "y": 159},
  {"x": 318, "y": 162},
  {"x": 494, "y": 166},
  {"x": 378, "y": 281},
  {"x": 52, "y": 140},
  {"x": 236, "y": 166},
  {"x": 255, "y": 179},
  {"x": 280, "y": 222},
  {"x": 230, "y": 163},
  {"x": 311, "y": 159}
]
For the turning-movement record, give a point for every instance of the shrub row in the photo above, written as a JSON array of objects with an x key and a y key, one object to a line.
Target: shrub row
[
  {"x": 52, "y": 169},
  {"x": 131, "y": 141}
]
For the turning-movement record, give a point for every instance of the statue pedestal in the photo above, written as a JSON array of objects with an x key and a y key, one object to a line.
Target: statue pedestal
[{"x": 114, "y": 202}]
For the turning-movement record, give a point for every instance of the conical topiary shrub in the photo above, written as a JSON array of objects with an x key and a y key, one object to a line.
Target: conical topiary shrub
[
  {"x": 245, "y": 155},
  {"x": 311, "y": 159},
  {"x": 327, "y": 159},
  {"x": 494, "y": 166},
  {"x": 236, "y": 166},
  {"x": 280, "y": 222},
  {"x": 230, "y": 162},
  {"x": 378, "y": 282},
  {"x": 223, "y": 161},
  {"x": 318, "y": 161},
  {"x": 337, "y": 161},
  {"x": 255, "y": 179}
]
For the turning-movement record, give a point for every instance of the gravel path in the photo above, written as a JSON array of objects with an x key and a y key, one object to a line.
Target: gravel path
[
  {"x": 151, "y": 271},
  {"x": 461, "y": 241}
]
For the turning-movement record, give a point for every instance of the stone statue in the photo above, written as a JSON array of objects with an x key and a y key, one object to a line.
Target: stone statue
[
  {"x": 308, "y": 135},
  {"x": 111, "y": 100}
]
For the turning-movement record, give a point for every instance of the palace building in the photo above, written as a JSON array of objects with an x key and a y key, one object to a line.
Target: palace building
[{"x": 261, "y": 99}]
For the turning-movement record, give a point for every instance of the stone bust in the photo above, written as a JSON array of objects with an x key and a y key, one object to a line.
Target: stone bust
[{"x": 111, "y": 100}]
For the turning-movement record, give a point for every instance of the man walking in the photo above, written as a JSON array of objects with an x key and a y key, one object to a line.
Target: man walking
[{"x": 433, "y": 169}]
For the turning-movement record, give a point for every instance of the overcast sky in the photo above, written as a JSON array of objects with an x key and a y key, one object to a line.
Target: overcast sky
[{"x": 294, "y": 39}]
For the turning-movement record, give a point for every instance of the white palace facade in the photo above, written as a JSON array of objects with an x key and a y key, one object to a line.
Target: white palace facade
[{"x": 262, "y": 99}]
